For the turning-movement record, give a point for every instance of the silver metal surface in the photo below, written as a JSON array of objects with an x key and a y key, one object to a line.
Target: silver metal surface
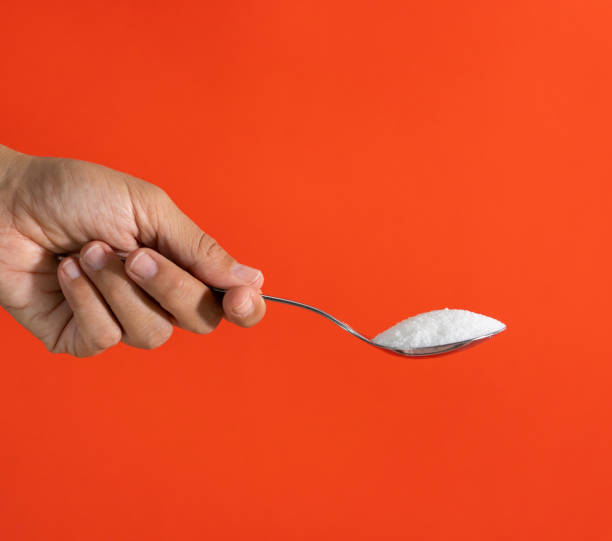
[{"x": 415, "y": 352}]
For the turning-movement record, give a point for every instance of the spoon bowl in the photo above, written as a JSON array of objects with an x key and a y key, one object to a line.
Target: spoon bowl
[{"x": 441, "y": 349}]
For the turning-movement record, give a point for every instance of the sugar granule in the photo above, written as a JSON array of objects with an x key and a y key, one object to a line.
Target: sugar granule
[{"x": 436, "y": 328}]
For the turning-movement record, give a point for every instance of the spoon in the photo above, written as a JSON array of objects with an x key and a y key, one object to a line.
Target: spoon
[{"x": 413, "y": 352}]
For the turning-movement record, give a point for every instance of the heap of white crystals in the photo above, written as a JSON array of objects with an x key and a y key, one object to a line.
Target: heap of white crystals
[{"x": 436, "y": 328}]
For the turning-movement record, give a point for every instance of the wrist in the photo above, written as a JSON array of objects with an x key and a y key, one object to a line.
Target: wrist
[
  {"x": 11, "y": 162},
  {"x": 4, "y": 153},
  {"x": 7, "y": 158}
]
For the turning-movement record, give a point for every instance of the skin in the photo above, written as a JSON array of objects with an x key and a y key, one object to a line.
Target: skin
[{"x": 135, "y": 266}]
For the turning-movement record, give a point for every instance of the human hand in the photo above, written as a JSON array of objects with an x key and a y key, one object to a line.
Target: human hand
[{"x": 89, "y": 302}]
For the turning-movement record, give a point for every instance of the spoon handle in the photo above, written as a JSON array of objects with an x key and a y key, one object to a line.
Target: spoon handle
[{"x": 340, "y": 324}]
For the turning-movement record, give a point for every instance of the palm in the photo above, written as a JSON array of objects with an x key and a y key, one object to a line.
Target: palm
[{"x": 46, "y": 223}]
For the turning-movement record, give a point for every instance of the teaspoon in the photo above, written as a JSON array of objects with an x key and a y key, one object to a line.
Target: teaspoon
[{"x": 413, "y": 352}]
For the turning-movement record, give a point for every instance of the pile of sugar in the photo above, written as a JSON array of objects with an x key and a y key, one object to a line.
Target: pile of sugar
[{"x": 436, "y": 328}]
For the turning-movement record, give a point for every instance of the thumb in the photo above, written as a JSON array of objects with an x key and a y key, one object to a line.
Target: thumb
[{"x": 164, "y": 227}]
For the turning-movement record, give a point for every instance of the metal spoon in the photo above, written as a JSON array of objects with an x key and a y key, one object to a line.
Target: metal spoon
[{"x": 414, "y": 352}]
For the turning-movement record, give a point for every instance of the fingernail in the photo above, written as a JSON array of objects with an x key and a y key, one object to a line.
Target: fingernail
[
  {"x": 245, "y": 308},
  {"x": 248, "y": 275},
  {"x": 95, "y": 257},
  {"x": 144, "y": 266},
  {"x": 71, "y": 269}
]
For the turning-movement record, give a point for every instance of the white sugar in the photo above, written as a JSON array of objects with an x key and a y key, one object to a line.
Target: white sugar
[{"x": 436, "y": 328}]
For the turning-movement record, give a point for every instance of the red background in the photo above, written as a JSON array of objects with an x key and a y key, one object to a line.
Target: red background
[{"x": 376, "y": 159}]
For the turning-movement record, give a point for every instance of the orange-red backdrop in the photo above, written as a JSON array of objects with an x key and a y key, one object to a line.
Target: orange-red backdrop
[{"x": 377, "y": 159}]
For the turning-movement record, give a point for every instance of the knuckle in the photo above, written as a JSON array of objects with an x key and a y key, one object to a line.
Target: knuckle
[
  {"x": 158, "y": 193},
  {"x": 200, "y": 329},
  {"x": 150, "y": 204},
  {"x": 147, "y": 190},
  {"x": 212, "y": 249},
  {"x": 156, "y": 198},
  {"x": 176, "y": 294},
  {"x": 105, "y": 340},
  {"x": 176, "y": 288},
  {"x": 208, "y": 248},
  {"x": 206, "y": 326},
  {"x": 155, "y": 336}
]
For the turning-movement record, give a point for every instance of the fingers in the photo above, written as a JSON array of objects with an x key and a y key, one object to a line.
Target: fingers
[
  {"x": 145, "y": 324},
  {"x": 191, "y": 302},
  {"x": 108, "y": 296},
  {"x": 176, "y": 237},
  {"x": 96, "y": 328}
]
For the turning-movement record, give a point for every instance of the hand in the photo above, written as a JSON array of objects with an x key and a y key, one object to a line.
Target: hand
[{"x": 89, "y": 302}]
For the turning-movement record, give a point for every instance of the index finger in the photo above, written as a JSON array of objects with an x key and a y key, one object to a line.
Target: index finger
[
  {"x": 194, "y": 306},
  {"x": 173, "y": 234}
]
